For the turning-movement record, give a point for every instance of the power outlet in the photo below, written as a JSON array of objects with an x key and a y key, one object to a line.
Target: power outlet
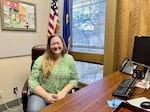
[
  {"x": 1, "y": 92},
  {"x": 15, "y": 90}
]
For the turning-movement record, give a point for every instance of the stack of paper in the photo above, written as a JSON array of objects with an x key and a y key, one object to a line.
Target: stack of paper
[{"x": 143, "y": 84}]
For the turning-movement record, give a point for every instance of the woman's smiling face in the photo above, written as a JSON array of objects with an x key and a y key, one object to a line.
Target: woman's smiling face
[{"x": 56, "y": 45}]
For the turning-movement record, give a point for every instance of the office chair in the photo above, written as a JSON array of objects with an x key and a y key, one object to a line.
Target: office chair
[{"x": 37, "y": 51}]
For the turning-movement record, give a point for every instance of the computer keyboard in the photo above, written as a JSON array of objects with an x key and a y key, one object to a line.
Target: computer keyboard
[{"x": 125, "y": 88}]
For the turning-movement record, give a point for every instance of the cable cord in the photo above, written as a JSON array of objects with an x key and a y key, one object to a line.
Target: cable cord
[{"x": 8, "y": 108}]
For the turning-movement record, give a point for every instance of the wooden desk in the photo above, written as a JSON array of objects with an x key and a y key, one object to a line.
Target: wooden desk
[{"x": 93, "y": 98}]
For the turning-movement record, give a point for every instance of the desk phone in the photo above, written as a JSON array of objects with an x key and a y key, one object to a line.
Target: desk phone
[{"x": 128, "y": 66}]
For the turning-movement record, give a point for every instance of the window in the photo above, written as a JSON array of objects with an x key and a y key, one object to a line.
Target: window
[
  {"x": 88, "y": 24},
  {"x": 88, "y": 20},
  {"x": 89, "y": 72}
]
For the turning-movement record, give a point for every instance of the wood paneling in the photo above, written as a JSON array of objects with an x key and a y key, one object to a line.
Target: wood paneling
[
  {"x": 109, "y": 48},
  {"x": 131, "y": 18}
]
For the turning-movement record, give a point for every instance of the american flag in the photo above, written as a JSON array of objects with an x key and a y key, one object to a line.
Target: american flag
[{"x": 53, "y": 18}]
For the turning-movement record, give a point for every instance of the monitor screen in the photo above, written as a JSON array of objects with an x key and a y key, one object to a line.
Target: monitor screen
[{"x": 141, "y": 50}]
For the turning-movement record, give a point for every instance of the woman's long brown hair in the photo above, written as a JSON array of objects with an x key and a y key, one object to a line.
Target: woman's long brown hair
[{"x": 47, "y": 57}]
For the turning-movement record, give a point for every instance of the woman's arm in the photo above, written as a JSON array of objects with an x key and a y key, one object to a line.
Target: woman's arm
[
  {"x": 49, "y": 98},
  {"x": 65, "y": 91}
]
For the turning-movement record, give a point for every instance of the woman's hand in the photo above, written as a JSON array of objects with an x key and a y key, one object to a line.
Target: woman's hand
[
  {"x": 51, "y": 98},
  {"x": 64, "y": 91},
  {"x": 60, "y": 95}
]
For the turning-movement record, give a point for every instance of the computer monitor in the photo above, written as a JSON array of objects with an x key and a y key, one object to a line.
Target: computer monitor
[
  {"x": 141, "y": 54},
  {"x": 141, "y": 50}
]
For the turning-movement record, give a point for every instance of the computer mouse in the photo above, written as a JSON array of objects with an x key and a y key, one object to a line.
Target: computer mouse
[{"x": 145, "y": 105}]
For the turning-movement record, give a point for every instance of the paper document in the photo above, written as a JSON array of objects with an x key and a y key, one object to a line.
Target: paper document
[
  {"x": 137, "y": 101},
  {"x": 114, "y": 102},
  {"x": 143, "y": 84}
]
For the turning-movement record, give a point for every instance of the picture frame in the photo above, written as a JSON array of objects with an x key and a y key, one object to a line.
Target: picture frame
[{"x": 18, "y": 15}]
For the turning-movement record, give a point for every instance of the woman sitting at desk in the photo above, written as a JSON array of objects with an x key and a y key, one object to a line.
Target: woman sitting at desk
[{"x": 53, "y": 75}]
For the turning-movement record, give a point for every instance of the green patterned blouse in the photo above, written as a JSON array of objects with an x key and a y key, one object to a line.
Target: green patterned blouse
[{"x": 65, "y": 72}]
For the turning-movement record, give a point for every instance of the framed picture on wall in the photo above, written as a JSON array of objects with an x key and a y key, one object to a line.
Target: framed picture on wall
[{"x": 18, "y": 15}]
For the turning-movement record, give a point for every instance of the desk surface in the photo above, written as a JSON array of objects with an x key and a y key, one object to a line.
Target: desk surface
[{"x": 93, "y": 98}]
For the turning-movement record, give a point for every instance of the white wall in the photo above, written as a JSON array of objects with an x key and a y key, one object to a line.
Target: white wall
[{"x": 15, "y": 70}]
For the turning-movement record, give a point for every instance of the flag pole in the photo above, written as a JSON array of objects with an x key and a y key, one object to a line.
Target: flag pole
[{"x": 69, "y": 45}]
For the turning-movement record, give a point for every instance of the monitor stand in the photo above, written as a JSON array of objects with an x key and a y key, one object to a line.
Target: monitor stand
[{"x": 147, "y": 76}]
